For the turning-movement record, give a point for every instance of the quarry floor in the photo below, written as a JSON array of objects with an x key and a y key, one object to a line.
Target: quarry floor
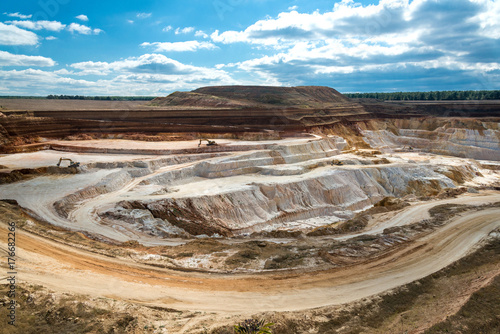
[{"x": 62, "y": 255}]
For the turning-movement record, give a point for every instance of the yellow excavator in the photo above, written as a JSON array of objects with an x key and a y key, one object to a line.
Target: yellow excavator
[
  {"x": 71, "y": 162},
  {"x": 209, "y": 142}
]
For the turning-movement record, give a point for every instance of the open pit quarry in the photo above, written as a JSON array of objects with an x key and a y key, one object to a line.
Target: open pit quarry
[{"x": 309, "y": 206}]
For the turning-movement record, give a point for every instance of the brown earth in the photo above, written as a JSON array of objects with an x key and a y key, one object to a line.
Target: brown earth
[
  {"x": 217, "y": 111},
  {"x": 257, "y": 97}
]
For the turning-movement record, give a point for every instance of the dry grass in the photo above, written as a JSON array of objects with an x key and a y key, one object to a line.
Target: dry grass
[
  {"x": 39, "y": 313},
  {"x": 481, "y": 314}
]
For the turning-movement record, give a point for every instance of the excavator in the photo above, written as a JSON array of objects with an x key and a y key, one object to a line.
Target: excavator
[
  {"x": 209, "y": 142},
  {"x": 71, "y": 163}
]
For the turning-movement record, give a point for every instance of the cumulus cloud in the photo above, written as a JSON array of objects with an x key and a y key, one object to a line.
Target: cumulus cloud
[
  {"x": 147, "y": 63},
  {"x": 149, "y": 74},
  {"x": 83, "y": 29},
  {"x": 19, "y": 15},
  {"x": 304, "y": 48},
  {"x": 82, "y": 17},
  {"x": 25, "y": 82},
  {"x": 167, "y": 28},
  {"x": 39, "y": 25},
  {"x": 180, "y": 46},
  {"x": 185, "y": 30},
  {"x": 201, "y": 33},
  {"x": 12, "y": 35},
  {"x": 9, "y": 59}
]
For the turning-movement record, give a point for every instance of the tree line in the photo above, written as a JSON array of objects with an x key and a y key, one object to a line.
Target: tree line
[
  {"x": 431, "y": 96},
  {"x": 100, "y": 98}
]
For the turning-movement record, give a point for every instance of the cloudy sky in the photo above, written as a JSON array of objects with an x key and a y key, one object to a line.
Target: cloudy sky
[{"x": 155, "y": 47}]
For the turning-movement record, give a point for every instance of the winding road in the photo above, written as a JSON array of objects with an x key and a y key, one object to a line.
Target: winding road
[{"x": 64, "y": 268}]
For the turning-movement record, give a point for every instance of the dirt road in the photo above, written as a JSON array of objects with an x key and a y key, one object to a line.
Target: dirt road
[{"x": 64, "y": 268}]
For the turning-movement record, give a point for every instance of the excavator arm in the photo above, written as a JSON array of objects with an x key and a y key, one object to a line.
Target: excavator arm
[
  {"x": 71, "y": 162},
  {"x": 209, "y": 142}
]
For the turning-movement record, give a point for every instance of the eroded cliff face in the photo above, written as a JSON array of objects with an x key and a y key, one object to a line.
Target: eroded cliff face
[
  {"x": 239, "y": 195},
  {"x": 462, "y": 138},
  {"x": 337, "y": 193}
]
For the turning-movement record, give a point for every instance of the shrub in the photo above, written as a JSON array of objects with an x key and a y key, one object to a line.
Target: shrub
[{"x": 253, "y": 326}]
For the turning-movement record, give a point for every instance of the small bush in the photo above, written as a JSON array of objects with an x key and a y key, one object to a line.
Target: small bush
[{"x": 253, "y": 326}]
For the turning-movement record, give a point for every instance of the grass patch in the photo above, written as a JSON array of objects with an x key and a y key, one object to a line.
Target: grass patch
[
  {"x": 39, "y": 313},
  {"x": 481, "y": 314},
  {"x": 242, "y": 257}
]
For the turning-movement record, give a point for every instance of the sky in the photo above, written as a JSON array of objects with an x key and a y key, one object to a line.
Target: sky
[{"x": 153, "y": 47}]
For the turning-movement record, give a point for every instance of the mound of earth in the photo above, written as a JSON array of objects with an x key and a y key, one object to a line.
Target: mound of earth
[
  {"x": 256, "y": 96},
  {"x": 198, "y": 100}
]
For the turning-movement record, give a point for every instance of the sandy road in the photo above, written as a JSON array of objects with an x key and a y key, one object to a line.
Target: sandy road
[
  {"x": 420, "y": 211},
  {"x": 85, "y": 214},
  {"x": 64, "y": 268}
]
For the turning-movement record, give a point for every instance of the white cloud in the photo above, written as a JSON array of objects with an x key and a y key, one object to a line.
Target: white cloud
[
  {"x": 50, "y": 38},
  {"x": 82, "y": 29},
  {"x": 149, "y": 74},
  {"x": 9, "y": 59},
  {"x": 180, "y": 46},
  {"x": 293, "y": 8},
  {"x": 82, "y": 17},
  {"x": 488, "y": 19},
  {"x": 148, "y": 63},
  {"x": 143, "y": 15},
  {"x": 39, "y": 25},
  {"x": 130, "y": 21},
  {"x": 153, "y": 66},
  {"x": 167, "y": 28},
  {"x": 25, "y": 82},
  {"x": 63, "y": 71},
  {"x": 377, "y": 38},
  {"x": 347, "y": 19},
  {"x": 201, "y": 33},
  {"x": 185, "y": 30},
  {"x": 93, "y": 68},
  {"x": 19, "y": 15},
  {"x": 12, "y": 35}
]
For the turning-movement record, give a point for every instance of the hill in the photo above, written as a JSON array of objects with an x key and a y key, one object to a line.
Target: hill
[{"x": 303, "y": 97}]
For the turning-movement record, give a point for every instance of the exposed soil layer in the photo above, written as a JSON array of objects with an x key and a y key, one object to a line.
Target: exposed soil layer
[{"x": 217, "y": 111}]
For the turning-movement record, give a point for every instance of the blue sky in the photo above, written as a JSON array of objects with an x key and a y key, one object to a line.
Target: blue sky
[{"x": 153, "y": 47}]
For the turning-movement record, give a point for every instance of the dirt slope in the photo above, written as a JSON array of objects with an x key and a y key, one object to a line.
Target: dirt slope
[
  {"x": 256, "y": 96},
  {"x": 193, "y": 99},
  {"x": 302, "y": 97}
]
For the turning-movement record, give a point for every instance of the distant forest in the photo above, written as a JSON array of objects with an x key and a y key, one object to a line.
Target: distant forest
[{"x": 431, "y": 96}]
